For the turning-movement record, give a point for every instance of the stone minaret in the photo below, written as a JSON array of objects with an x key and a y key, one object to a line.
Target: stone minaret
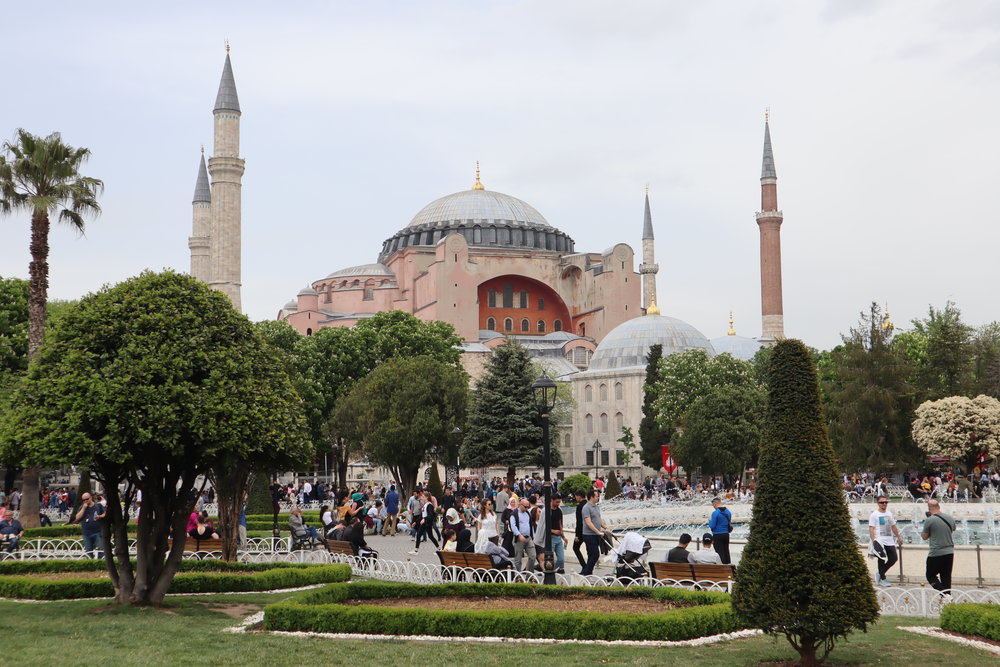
[
  {"x": 648, "y": 268},
  {"x": 769, "y": 221},
  {"x": 226, "y": 168},
  {"x": 200, "y": 241}
]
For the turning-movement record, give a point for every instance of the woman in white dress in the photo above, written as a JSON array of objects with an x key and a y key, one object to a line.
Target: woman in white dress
[{"x": 486, "y": 526}]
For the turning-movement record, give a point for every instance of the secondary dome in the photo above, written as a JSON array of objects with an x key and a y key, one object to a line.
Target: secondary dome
[
  {"x": 627, "y": 345},
  {"x": 480, "y": 206},
  {"x": 739, "y": 347}
]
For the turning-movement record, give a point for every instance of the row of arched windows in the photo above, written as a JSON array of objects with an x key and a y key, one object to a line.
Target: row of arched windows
[
  {"x": 508, "y": 325},
  {"x": 588, "y": 392},
  {"x": 477, "y": 235},
  {"x": 603, "y": 422}
]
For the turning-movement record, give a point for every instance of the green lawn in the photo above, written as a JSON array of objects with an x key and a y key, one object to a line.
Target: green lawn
[{"x": 187, "y": 632}]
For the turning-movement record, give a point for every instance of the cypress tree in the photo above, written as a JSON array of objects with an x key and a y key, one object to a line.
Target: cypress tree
[
  {"x": 651, "y": 435},
  {"x": 801, "y": 574},
  {"x": 613, "y": 489},
  {"x": 434, "y": 482}
]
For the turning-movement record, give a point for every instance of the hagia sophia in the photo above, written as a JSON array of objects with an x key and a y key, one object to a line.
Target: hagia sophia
[{"x": 491, "y": 265}]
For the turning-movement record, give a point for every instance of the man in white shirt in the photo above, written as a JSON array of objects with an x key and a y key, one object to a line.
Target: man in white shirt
[
  {"x": 882, "y": 529},
  {"x": 707, "y": 555}
]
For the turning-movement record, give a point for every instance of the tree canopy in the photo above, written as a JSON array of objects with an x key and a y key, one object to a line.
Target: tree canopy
[
  {"x": 686, "y": 376},
  {"x": 959, "y": 428},
  {"x": 652, "y": 436},
  {"x": 149, "y": 384},
  {"x": 722, "y": 430},
  {"x": 402, "y": 410}
]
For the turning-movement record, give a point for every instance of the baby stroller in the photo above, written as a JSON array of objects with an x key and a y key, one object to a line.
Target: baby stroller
[{"x": 630, "y": 557}]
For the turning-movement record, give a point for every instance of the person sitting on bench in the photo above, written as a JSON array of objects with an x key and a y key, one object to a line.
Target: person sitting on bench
[
  {"x": 300, "y": 531},
  {"x": 202, "y": 530}
]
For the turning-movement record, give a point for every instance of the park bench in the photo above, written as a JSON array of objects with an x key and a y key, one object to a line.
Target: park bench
[
  {"x": 455, "y": 561},
  {"x": 340, "y": 547},
  {"x": 690, "y": 573},
  {"x": 208, "y": 547}
]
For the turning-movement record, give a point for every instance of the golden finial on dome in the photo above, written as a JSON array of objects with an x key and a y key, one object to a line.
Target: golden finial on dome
[
  {"x": 886, "y": 322},
  {"x": 653, "y": 309},
  {"x": 227, "y": 47},
  {"x": 647, "y": 189},
  {"x": 732, "y": 331},
  {"x": 767, "y": 114},
  {"x": 477, "y": 185}
]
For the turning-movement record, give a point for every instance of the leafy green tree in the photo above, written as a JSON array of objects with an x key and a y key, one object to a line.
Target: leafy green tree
[
  {"x": 402, "y": 410},
  {"x": 652, "y": 436},
  {"x": 13, "y": 327},
  {"x": 986, "y": 360},
  {"x": 722, "y": 430},
  {"x": 628, "y": 443},
  {"x": 149, "y": 384},
  {"x": 801, "y": 574},
  {"x": 688, "y": 375},
  {"x": 870, "y": 404},
  {"x": 503, "y": 427},
  {"x": 42, "y": 177},
  {"x": 333, "y": 359},
  {"x": 574, "y": 483},
  {"x": 959, "y": 428},
  {"x": 948, "y": 370}
]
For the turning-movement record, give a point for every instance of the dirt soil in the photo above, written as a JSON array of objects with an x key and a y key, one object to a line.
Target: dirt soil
[
  {"x": 234, "y": 609},
  {"x": 562, "y": 603}
]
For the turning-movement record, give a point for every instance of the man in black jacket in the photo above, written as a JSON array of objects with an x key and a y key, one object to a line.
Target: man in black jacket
[
  {"x": 679, "y": 554},
  {"x": 581, "y": 499}
]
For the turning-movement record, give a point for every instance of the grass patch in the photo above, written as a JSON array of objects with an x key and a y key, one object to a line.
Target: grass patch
[{"x": 73, "y": 632}]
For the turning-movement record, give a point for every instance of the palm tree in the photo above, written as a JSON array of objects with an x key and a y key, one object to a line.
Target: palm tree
[{"x": 42, "y": 175}]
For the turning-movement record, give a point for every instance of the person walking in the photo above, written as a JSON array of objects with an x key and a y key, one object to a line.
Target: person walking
[
  {"x": 581, "y": 500},
  {"x": 721, "y": 524},
  {"x": 593, "y": 529},
  {"x": 427, "y": 519},
  {"x": 882, "y": 529},
  {"x": 88, "y": 517},
  {"x": 559, "y": 540},
  {"x": 391, "y": 511},
  {"x": 938, "y": 529},
  {"x": 523, "y": 528}
]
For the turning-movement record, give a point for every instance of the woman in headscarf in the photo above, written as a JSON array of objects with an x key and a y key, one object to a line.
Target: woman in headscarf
[
  {"x": 453, "y": 521},
  {"x": 465, "y": 544}
]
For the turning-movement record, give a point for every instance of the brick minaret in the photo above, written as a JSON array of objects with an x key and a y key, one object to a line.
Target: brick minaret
[
  {"x": 769, "y": 221},
  {"x": 226, "y": 168},
  {"x": 648, "y": 268},
  {"x": 200, "y": 241}
]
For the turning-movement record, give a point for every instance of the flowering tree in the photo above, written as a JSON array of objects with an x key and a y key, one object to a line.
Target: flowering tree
[{"x": 959, "y": 428}]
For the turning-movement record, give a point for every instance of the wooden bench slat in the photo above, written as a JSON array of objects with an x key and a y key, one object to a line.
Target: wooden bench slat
[{"x": 340, "y": 547}]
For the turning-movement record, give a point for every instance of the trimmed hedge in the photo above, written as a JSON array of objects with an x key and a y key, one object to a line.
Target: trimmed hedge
[
  {"x": 972, "y": 619},
  {"x": 202, "y": 577},
  {"x": 319, "y": 611}
]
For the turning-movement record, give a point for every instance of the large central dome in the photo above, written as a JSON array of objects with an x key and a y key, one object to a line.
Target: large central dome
[{"x": 479, "y": 206}]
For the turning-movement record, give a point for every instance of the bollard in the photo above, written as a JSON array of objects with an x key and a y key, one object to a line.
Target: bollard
[
  {"x": 899, "y": 549},
  {"x": 979, "y": 566}
]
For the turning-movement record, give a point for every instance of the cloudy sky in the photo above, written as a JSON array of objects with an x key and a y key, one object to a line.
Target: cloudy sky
[{"x": 356, "y": 115}]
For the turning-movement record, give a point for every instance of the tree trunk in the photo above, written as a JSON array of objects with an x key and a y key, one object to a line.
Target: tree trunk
[
  {"x": 510, "y": 476},
  {"x": 231, "y": 489},
  {"x": 9, "y": 477},
  {"x": 29, "y": 498}
]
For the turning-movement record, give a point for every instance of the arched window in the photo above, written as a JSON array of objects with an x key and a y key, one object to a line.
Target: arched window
[
  {"x": 369, "y": 294},
  {"x": 541, "y": 326},
  {"x": 309, "y": 332},
  {"x": 477, "y": 235},
  {"x": 525, "y": 326},
  {"x": 619, "y": 422},
  {"x": 588, "y": 393},
  {"x": 583, "y": 330},
  {"x": 557, "y": 325},
  {"x": 566, "y": 442},
  {"x": 508, "y": 324},
  {"x": 590, "y": 423},
  {"x": 491, "y": 324},
  {"x": 619, "y": 391},
  {"x": 604, "y": 392},
  {"x": 604, "y": 422}
]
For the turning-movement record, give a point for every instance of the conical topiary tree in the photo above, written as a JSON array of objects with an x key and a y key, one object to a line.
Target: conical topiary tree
[
  {"x": 434, "y": 481},
  {"x": 801, "y": 574},
  {"x": 613, "y": 488}
]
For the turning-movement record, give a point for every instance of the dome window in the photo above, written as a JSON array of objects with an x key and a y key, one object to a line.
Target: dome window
[
  {"x": 541, "y": 326},
  {"x": 491, "y": 324},
  {"x": 508, "y": 324},
  {"x": 604, "y": 392},
  {"x": 525, "y": 326},
  {"x": 557, "y": 325},
  {"x": 618, "y": 391}
]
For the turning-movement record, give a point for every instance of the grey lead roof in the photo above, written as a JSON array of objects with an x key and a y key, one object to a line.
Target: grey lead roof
[
  {"x": 227, "y": 99},
  {"x": 202, "y": 193},
  {"x": 767, "y": 168},
  {"x": 647, "y": 222}
]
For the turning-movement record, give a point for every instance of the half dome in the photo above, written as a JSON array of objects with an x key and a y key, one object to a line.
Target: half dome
[
  {"x": 627, "y": 345},
  {"x": 739, "y": 347}
]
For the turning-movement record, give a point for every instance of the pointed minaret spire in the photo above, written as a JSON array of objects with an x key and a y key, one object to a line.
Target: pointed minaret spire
[
  {"x": 769, "y": 220},
  {"x": 227, "y": 99},
  {"x": 648, "y": 268},
  {"x": 200, "y": 241}
]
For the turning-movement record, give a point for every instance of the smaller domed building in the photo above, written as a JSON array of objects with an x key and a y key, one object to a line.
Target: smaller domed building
[
  {"x": 739, "y": 347},
  {"x": 606, "y": 393}
]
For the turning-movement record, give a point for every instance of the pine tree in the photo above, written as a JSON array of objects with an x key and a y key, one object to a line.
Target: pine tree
[
  {"x": 502, "y": 427},
  {"x": 651, "y": 435},
  {"x": 801, "y": 574}
]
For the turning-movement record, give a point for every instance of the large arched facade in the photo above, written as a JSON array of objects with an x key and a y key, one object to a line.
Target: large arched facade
[{"x": 528, "y": 306}]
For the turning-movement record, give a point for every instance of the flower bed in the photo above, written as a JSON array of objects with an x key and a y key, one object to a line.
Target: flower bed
[
  {"x": 196, "y": 576},
  {"x": 340, "y": 608},
  {"x": 982, "y": 620}
]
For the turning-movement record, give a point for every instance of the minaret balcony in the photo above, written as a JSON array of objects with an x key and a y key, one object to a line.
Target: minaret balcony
[
  {"x": 769, "y": 215},
  {"x": 648, "y": 268}
]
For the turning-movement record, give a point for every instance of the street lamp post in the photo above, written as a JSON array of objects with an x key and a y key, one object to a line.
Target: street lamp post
[
  {"x": 545, "y": 399},
  {"x": 597, "y": 458}
]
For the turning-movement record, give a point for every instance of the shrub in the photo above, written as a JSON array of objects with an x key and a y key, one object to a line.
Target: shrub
[
  {"x": 972, "y": 619},
  {"x": 575, "y": 483},
  {"x": 801, "y": 574},
  {"x": 613, "y": 488},
  {"x": 320, "y": 611}
]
